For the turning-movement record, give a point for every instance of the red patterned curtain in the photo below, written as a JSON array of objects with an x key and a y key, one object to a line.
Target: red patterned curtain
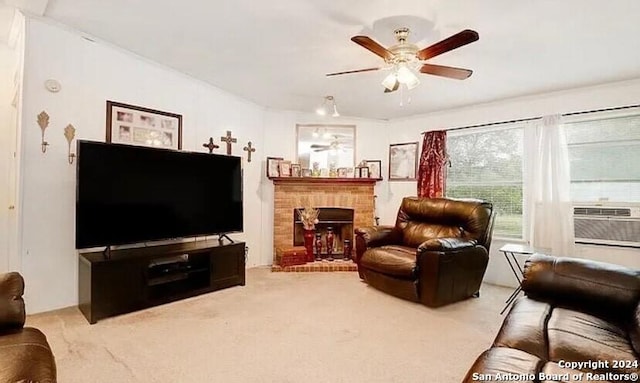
[{"x": 431, "y": 173}]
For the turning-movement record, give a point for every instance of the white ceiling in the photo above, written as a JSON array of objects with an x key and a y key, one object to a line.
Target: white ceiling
[{"x": 276, "y": 53}]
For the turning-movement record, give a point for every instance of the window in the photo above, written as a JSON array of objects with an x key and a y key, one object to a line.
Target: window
[
  {"x": 604, "y": 151},
  {"x": 487, "y": 164}
]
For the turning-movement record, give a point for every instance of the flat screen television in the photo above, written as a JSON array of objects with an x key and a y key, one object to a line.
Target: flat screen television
[{"x": 127, "y": 194}]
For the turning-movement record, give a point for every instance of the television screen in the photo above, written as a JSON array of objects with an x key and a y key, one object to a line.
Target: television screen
[{"x": 127, "y": 194}]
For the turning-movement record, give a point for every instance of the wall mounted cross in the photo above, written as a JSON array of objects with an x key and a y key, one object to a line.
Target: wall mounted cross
[
  {"x": 249, "y": 150},
  {"x": 210, "y": 145},
  {"x": 228, "y": 140}
]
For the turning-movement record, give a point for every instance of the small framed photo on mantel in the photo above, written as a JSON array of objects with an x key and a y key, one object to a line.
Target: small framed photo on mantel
[
  {"x": 374, "y": 168},
  {"x": 273, "y": 169}
]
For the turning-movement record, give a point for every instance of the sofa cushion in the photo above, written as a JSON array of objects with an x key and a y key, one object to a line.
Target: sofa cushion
[
  {"x": 506, "y": 362},
  {"x": 399, "y": 261},
  {"x": 634, "y": 329},
  {"x": 524, "y": 327},
  {"x": 26, "y": 356},
  {"x": 576, "y": 336}
]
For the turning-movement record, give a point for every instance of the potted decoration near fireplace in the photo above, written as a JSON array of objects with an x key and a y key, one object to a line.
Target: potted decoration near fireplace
[{"x": 309, "y": 217}]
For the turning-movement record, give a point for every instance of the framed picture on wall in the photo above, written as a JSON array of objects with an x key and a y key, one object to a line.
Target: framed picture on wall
[
  {"x": 135, "y": 125},
  {"x": 272, "y": 167},
  {"x": 403, "y": 161}
]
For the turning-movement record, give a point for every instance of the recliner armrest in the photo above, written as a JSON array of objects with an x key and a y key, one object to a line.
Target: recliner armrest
[
  {"x": 444, "y": 244},
  {"x": 373, "y": 236},
  {"x": 377, "y": 235},
  {"x": 598, "y": 286},
  {"x": 12, "y": 313}
]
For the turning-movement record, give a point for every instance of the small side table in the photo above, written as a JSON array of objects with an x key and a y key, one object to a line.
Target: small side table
[{"x": 510, "y": 251}]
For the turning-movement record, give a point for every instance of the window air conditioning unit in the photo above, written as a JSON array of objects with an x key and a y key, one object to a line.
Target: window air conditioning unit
[{"x": 607, "y": 225}]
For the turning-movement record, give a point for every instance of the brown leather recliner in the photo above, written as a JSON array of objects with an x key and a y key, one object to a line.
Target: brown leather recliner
[
  {"x": 436, "y": 253},
  {"x": 579, "y": 321},
  {"x": 25, "y": 355}
]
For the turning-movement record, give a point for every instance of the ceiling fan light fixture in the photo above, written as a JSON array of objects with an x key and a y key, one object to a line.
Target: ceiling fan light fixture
[
  {"x": 405, "y": 75},
  {"x": 390, "y": 81},
  {"x": 413, "y": 83},
  {"x": 327, "y": 103}
]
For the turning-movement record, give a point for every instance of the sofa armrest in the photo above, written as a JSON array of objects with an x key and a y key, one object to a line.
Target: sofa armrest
[
  {"x": 374, "y": 236},
  {"x": 597, "y": 286},
  {"x": 12, "y": 314},
  {"x": 446, "y": 244}
]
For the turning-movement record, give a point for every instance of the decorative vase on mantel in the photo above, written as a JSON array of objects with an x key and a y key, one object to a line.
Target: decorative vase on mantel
[
  {"x": 309, "y": 235},
  {"x": 329, "y": 239}
]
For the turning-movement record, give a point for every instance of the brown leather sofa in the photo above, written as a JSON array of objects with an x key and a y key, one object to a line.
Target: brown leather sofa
[
  {"x": 25, "y": 355},
  {"x": 579, "y": 320},
  {"x": 436, "y": 254}
]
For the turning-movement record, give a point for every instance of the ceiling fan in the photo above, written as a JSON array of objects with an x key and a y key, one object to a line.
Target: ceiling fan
[
  {"x": 335, "y": 144},
  {"x": 404, "y": 57}
]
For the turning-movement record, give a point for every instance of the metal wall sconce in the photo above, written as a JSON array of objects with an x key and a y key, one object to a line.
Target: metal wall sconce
[
  {"x": 70, "y": 133},
  {"x": 43, "y": 121}
]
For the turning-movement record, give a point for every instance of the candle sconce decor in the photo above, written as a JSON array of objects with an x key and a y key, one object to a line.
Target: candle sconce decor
[
  {"x": 43, "y": 121},
  {"x": 69, "y": 134}
]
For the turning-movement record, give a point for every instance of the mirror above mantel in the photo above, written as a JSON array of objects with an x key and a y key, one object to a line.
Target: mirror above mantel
[{"x": 328, "y": 145}]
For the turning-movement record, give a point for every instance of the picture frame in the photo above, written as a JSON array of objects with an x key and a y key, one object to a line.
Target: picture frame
[
  {"x": 342, "y": 172},
  {"x": 140, "y": 126},
  {"x": 273, "y": 170},
  {"x": 364, "y": 172},
  {"x": 403, "y": 161},
  {"x": 296, "y": 170},
  {"x": 284, "y": 168},
  {"x": 375, "y": 168},
  {"x": 306, "y": 172}
]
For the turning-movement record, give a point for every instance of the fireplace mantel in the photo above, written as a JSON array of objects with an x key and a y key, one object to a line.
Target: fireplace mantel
[{"x": 324, "y": 180}]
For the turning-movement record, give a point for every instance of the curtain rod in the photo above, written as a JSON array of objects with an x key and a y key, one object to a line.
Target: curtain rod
[{"x": 535, "y": 118}]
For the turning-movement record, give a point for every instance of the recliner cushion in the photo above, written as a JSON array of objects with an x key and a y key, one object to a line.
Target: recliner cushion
[
  {"x": 398, "y": 261},
  {"x": 576, "y": 336}
]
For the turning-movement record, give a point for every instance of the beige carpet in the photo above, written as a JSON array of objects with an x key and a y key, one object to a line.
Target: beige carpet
[{"x": 280, "y": 327}]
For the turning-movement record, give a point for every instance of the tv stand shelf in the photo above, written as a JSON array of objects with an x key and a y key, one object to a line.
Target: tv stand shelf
[{"x": 137, "y": 278}]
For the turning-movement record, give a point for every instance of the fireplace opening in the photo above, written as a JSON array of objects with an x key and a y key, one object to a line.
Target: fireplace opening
[{"x": 338, "y": 220}]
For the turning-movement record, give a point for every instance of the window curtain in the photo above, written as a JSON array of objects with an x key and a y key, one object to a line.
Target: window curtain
[
  {"x": 547, "y": 195},
  {"x": 431, "y": 171}
]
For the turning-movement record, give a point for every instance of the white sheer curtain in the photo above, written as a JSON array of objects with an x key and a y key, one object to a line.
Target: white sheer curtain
[{"x": 548, "y": 198}]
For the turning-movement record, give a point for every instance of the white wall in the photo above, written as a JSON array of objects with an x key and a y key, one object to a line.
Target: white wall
[
  {"x": 90, "y": 74},
  {"x": 7, "y": 133},
  {"x": 583, "y": 99},
  {"x": 280, "y": 141}
]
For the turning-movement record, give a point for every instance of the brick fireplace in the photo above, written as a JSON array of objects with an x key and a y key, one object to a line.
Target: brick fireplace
[{"x": 343, "y": 193}]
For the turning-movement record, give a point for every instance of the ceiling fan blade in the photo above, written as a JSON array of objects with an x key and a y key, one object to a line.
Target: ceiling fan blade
[
  {"x": 446, "y": 71},
  {"x": 456, "y": 41},
  {"x": 395, "y": 87},
  {"x": 352, "y": 71},
  {"x": 367, "y": 43},
  {"x": 316, "y": 146}
]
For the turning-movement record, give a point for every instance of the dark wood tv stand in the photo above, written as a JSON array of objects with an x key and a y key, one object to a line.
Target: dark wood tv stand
[{"x": 137, "y": 278}]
